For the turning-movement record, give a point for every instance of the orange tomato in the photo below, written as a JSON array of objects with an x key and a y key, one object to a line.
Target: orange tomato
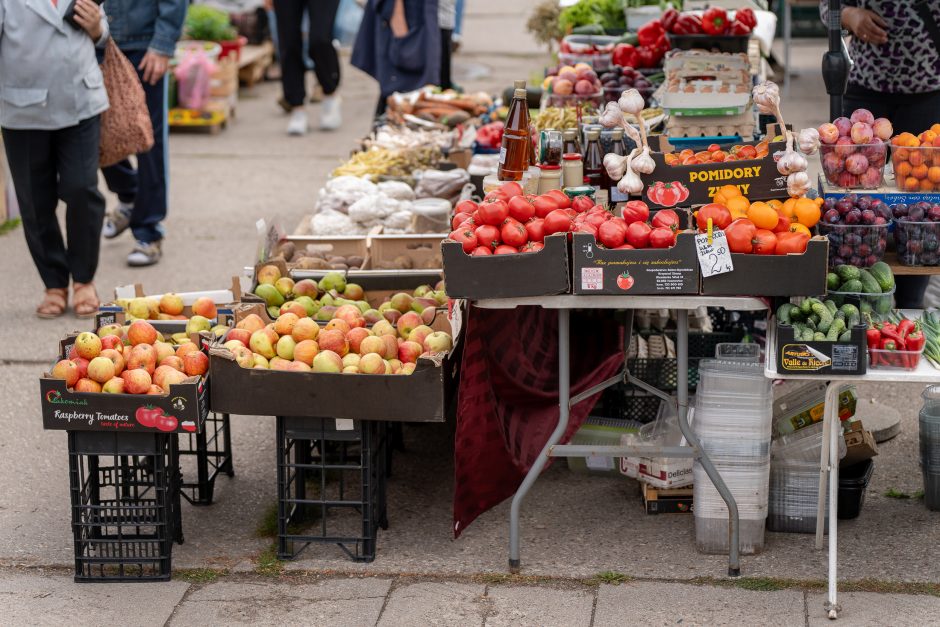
[
  {"x": 704, "y": 155},
  {"x": 719, "y": 155},
  {"x": 796, "y": 227},
  {"x": 671, "y": 158},
  {"x": 737, "y": 203},
  {"x": 902, "y": 170},
  {"x": 763, "y": 215},
  {"x": 747, "y": 152},
  {"x": 776, "y": 204},
  {"x": 789, "y": 208},
  {"x": 807, "y": 212},
  {"x": 919, "y": 172},
  {"x": 686, "y": 153},
  {"x": 934, "y": 174}
]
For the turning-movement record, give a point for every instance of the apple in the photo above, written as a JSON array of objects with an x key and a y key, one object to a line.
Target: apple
[
  {"x": 351, "y": 315},
  {"x": 305, "y": 351},
  {"x": 114, "y": 385},
  {"x": 141, "y": 332},
  {"x": 338, "y": 324},
  {"x": 171, "y": 377},
  {"x": 372, "y": 363},
  {"x": 306, "y": 287},
  {"x": 395, "y": 365},
  {"x": 299, "y": 366},
  {"x": 143, "y": 356},
  {"x": 350, "y": 370},
  {"x": 139, "y": 308},
  {"x": 109, "y": 330},
  {"x": 164, "y": 350},
  {"x": 333, "y": 340},
  {"x": 155, "y": 390},
  {"x": 407, "y": 368},
  {"x": 372, "y": 344},
  {"x": 173, "y": 362},
  {"x": 294, "y": 307},
  {"x": 305, "y": 329},
  {"x": 185, "y": 348},
  {"x": 284, "y": 325},
  {"x": 354, "y": 291},
  {"x": 407, "y": 323},
  {"x": 82, "y": 364},
  {"x": 242, "y": 335},
  {"x": 100, "y": 369},
  {"x": 251, "y": 323},
  {"x": 136, "y": 381},
  {"x": 355, "y": 338},
  {"x": 401, "y": 302},
  {"x": 327, "y": 361},
  {"x": 67, "y": 370},
  {"x": 160, "y": 374},
  {"x": 285, "y": 348},
  {"x": 231, "y": 344},
  {"x": 391, "y": 346},
  {"x": 262, "y": 343},
  {"x": 257, "y": 361},
  {"x": 113, "y": 342},
  {"x": 243, "y": 357},
  {"x": 419, "y": 333},
  {"x": 87, "y": 385},
  {"x": 438, "y": 342},
  {"x": 408, "y": 352},
  {"x": 87, "y": 345},
  {"x": 383, "y": 327},
  {"x": 116, "y": 357},
  {"x": 196, "y": 364},
  {"x": 351, "y": 359},
  {"x": 284, "y": 285}
]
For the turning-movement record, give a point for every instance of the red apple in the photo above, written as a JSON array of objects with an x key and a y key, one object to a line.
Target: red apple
[
  {"x": 305, "y": 351},
  {"x": 333, "y": 340},
  {"x": 136, "y": 381},
  {"x": 409, "y": 352},
  {"x": 337, "y": 324},
  {"x": 142, "y": 356},
  {"x": 87, "y": 385},
  {"x": 113, "y": 342},
  {"x": 242, "y": 335},
  {"x": 116, "y": 358},
  {"x": 141, "y": 332},
  {"x": 100, "y": 369},
  {"x": 305, "y": 329},
  {"x": 391, "y": 346},
  {"x": 87, "y": 345},
  {"x": 327, "y": 361},
  {"x": 284, "y": 325},
  {"x": 203, "y": 306},
  {"x": 82, "y": 364},
  {"x": 186, "y": 347},
  {"x": 372, "y": 344},
  {"x": 171, "y": 304},
  {"x": 68, "y": 371},
  {"x": 355, "y": 338},
  {"x": 351, "y": 315},
  {"x": 371, "y": 363},
  {"x": 195, "y": 364},
  {"x": 173, "y": 362},
  {"x": 407, "y": 323},
  {"x": 164, "y": 350},
  {"x": 114, "y": 385},
  {"x": 251, "y": 323},
  {"x": 155, "y": 390}
]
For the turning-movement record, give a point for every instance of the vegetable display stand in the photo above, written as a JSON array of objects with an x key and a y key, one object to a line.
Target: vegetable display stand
[
  {"x": 331, "y": 485},
  {"x": 203, "y": 456},
  {"x": 125, "y": 501}
]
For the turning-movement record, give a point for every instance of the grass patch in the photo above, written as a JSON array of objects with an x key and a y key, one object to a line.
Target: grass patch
[
  {"x": 897, "y": 494},
  {"x": 267, "y": 526},
  {"x": 611, "y": 577},
  {"x": 268, "y": 564},
  {"x": 9, "y": 225},
  {"x": 200, "y": 575}
]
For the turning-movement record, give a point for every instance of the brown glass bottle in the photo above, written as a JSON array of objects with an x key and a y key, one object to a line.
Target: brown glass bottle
[
  {"x": 593, "y": 160},
  {"x": 572, "y": 141},
  {"x": 515, "y": 152}
]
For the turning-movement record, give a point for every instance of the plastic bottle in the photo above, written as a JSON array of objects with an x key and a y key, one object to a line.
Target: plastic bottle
[
  {"x": 594, "y": 161},
  {"x": 515, "y": 152}
]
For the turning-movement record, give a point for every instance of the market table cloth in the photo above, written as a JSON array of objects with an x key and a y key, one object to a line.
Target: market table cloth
[{"x": 508, "y": 397}]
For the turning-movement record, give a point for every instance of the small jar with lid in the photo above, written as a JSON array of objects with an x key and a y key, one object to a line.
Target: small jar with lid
[
  {"x": 572, "y": 169},
  {"x": 550, "y": 177},
  {"x": 551, "y": 146}
]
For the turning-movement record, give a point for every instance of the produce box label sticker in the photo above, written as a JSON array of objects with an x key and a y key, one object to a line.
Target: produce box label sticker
[
  {"x": 592, "y": 278},
  {"x": 713, "y": 257}
]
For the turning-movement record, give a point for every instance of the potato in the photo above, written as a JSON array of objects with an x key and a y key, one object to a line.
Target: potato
[
  {"x": 354, "y": 261},
  {"x": 337, "y": 259},
  {"x": 433, "y": 263},
  {"x": 339, "y": 266},
  {"x": 404, "y": 261},
  {"x": 312, "y": 263},
  {"x": 287, "y": 249}
]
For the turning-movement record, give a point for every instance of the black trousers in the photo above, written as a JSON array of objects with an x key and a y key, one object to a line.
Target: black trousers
[
  {"x": 446, "y": 45},
  {"x": 320, "y": 40},
  {"x": 47, "y": 166},
  {"x": 912, "y": 113}
]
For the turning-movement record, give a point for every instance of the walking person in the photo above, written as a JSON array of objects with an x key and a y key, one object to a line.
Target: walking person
[
  {"x": 51, "y": 97},
  {"x": 146, "y": 31},
  {"x": 290, "y": 17}
]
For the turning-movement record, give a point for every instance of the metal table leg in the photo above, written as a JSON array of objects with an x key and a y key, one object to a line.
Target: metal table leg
[
  {"x": 564, "y": 392},
  {"x": 682, "y": 391}
]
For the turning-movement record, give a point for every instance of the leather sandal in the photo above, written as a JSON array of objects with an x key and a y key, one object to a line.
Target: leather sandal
[
  {"x": 53, "y": 303},
  {"x": 85, "y": 301}
]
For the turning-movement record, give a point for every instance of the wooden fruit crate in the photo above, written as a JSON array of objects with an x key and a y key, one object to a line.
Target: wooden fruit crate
[{"x": 666, "y": 501}]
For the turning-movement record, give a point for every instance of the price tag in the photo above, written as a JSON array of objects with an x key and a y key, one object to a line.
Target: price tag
[{"x": 714, "y": 257}]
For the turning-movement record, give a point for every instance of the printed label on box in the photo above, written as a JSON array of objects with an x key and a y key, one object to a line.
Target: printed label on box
[
  {"x": 713, "y": 257},
  {"x": 844, "y": 357},
  {"x": 592, "y": 278}
]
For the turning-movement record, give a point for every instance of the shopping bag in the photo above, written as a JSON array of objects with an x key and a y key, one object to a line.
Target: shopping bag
[{"x": 125, "y": 127}]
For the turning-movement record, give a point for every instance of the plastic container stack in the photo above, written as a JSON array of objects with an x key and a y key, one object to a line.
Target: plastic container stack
[
  {"x": 930, "y": 446},
  {"x": 732, "y": 422}
]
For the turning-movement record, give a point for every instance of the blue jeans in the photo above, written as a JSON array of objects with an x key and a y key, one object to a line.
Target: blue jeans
[{"x": 145, "y": 188}]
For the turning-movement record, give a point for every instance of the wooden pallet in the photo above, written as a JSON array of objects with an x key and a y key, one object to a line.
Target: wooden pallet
[
  {"x": 253, "y": 62},
  {"x": 190, "y": 120},
  {"x": 671, "y": 501}
]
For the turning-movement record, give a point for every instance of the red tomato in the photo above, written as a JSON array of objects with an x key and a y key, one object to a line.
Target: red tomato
[
  {"x": 511, "y": 189},
  {"x": 571, "y": 213},
  {"x": 147, "y": 416},
  {"x": 588, "y": 228},
  {"x": 625, "y": 281},
  {"x": 625, "y": 247},
  {"x": 557, "y": 222},
  {"x": 503, "y": 249},
  {"x": 465, "y": 206},
  {"x": 611, "y": 233},
  {"x": 534, "y": 247},
  {"x": 167, "y": 423},
  {"x": 765, "y": 242},
  {"x": 582, "y": 204},
  {"x": 662, "y": 237},
  {"x": 513, "y": 233},
  {"x": 666, "y": 218},
  {"x": 544, "y": 205},
  {"x": 521, "y": 208},
  {"x": 783, "y": 224},
  {"x": 459, "y": 219},
  {"x": 487, "y": 236},
  {"x": 719, "y": 214},
  {"x": 740, "y": 234},
  {"x": 791, "y": 243},
  {"x": 596, "y": 219},
  {"x": 482, "y": 251},
  {"x": 466, "y": 237},
  {"x": 638, "y": 234},
  {"x": 494, "y": 212},
  {"x": 560, "y": 197},
  {"x": 496, "y": 194},
  {"x": 635, "y": 211},
  {"x": 713, "y": 147},
  {"x": 536, "y": 229}
]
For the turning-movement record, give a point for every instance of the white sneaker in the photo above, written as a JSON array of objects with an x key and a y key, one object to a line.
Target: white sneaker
[
  {"x": 117, "y": 221},
  {"x": 297, "y": 125},
  {"x": 331, "y": 117}
]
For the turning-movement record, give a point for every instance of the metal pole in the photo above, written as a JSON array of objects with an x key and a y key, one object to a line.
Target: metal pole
[
  {"x": 682, "y": 391},
  {"x": 835, "y": 63},
  {"x": 830, "y": 414},
  {"x": 831, "y": 410},
  {"x": 564, "y": 393}
]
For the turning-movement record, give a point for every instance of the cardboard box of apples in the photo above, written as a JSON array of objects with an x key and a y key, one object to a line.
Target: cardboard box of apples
[{"x": 126, "y": 378}]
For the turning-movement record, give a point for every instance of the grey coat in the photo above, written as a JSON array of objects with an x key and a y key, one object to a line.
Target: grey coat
[{"x": 49, "y": 74}]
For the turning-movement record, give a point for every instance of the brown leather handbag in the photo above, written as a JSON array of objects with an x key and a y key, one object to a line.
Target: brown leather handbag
[{"x": 125, "y": 127}]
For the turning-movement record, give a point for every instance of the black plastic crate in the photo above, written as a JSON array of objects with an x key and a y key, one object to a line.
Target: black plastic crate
[
  {"x": 203, "y": 456},
  {"x": 853, "y": 481},
  {"x": 125, "y": 498},
  {"x": 331, "y": 485},
  {"x": 624, "y": 402}
]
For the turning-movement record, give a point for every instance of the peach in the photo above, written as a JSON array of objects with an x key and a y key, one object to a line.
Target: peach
[
  {"x": 67, "y": 370},
  {"x": 562, "y": 86}
]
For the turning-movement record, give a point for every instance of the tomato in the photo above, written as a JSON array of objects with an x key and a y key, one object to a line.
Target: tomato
[
  {"x": 571, "y": 213},
  {"x": 638, "y": 234},
  {"x": 503, "y": 249},
  {"x": 740, "y": 234},
  {"x": 544, "y": 205},
  {"x": 765, "y": 242},
  {"x": 719, "y": 214},
  {"x": 611, "y": 233},
  {"x": 513, "y": 233},
  {"x": 466, "y": 237},
  {"x": 536, "y": 229},
  {"x": 459, "y": 218},
  {"x": 747, "y": 152},
  {"x": 625, "y": 247},
  {"x": 534, "y": 247},
  {"x": 667, "y": 194},
  {"x": 496, "y": 194},
  {"x": 560, "y": 197},
  {"x": 588, "y": 228},
  {"x": 666, "y": 218},
  {"x": 793, "y": 242},
  {"x": 557, "y": 222},
  {"x": 625, "y": 281},
  {"x": 783, "y": 224},
  {"x": 493, "y": 212},
  {"x": 188, "y": 426},
  {"x": 487, "y": 236},
  {"x": 511, "y": 189},
  {"x": 167, "y": 423},
  {"x": 482, "y": 251},
  {"x": 147, "y": 416},
  {"x": 596, "y": 219},
  {"x": 465, "y": 206},
  {"x": 662, "y": 237},
  {"x": 713, "y": 148},
  {"x": 521, "y": 208},
  {"x": 582, "y": 203},
  {"x": 635, "y": 211}
]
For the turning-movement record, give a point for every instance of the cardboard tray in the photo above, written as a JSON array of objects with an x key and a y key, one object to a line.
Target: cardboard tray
[
  {"x": 820, "y": 358},
  {"x": 666, "y": 271},
  {"x": 112, "y": 313},
  {"x": 62, "y": 409},
  {"x": 774, "y": 275},
  {"x": 543, "y": 273}
]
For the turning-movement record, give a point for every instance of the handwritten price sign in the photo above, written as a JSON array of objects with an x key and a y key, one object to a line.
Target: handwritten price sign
[{"x": 713, "y": 257}]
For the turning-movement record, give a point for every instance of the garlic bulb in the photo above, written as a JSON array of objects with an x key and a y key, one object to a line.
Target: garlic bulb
[
  {"x": 808, "y": 141},
  {"x": 616, "y": 165},
  {"x": 631, "y": 102},
  {"x": 798, "y": 184},
  {"x": 791, "y": 162},
  {"x": 643, "y": 162},
  {"x": 612, "y": 117},
  {"x": 766, "y": 96},
  {"x": 631, "y": 183}
]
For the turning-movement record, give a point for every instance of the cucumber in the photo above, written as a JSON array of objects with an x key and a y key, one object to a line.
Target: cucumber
[
  {"x": 806, "y": 307},
  {"x": 883, "y": 304},
  {"x": 825, "y": 318},
  {"x": 852, "y": 285},
  {"x": 869, "y": 284},
  {"x": 819, "y": 336},
  {"x": 882, "y": 273},
  {"x": 847, "y": 272},
  {"x": 833, "y": 281},
  {"x": 849, "y": 310},
  {"x": 846, "y": 336},
  {"x": 783, "y": 314},
  {"x": 838, "y": 326},
  {"x": 811, "y": 325},
  {"x": 831, "y": 306},
  {"x": 795, "y": 313}
]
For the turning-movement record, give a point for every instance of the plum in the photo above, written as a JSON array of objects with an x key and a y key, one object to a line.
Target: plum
[
  {"x": 934, "y": 213},
  {"x": 868, "y": 216},
  {"x": 845, "y": 251},
  {"x": 845, "y": 147},
  {"x": 899, "y": 210},
  {"x": 856, "y": 163},
  {"x": 832, "y": 216},
  {"x": 569, "y": 76},
  {"x": 844, "y": 205},
  {"x": 917, "y": 213},
  {"x": 844, "y": 125},
  {"x": 853, "y": 217},
  {"x": 832, "y": 163},
  {"x": 828, "y": 133},
  {"x": 870, "y": 177}
]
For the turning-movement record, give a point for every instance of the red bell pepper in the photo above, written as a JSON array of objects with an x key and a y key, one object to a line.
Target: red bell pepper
[
  {"x": 715, "y": 21},
  {"x": 746, "y": 16},
  {"x": 624, "y": 55},
  {"x": 904, "y": 327},
  {"x": 738, "y": 29},
  {"x": 873, "y": 336},
  {"x": 645, "y": 57},
  {"x": 669, "y": 18},
  {"x": 916, "y": 339},
  {"x": 650, "y": 32},
  {"x": 888, "y": 344}
]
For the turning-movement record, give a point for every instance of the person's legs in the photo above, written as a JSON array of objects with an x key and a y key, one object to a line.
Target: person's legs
[
  {"x": 325, "y": 59},
  {"x": 293, "y": 70},
  {"x": 445, "y": 58},
  {"x": 121, "y": 179}
]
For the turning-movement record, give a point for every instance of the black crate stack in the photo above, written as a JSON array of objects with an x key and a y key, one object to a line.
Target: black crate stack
[{"x": 203, "y": 456}]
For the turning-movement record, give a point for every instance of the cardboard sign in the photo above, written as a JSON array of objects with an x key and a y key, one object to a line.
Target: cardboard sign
[{"x": 714, "y": 257}]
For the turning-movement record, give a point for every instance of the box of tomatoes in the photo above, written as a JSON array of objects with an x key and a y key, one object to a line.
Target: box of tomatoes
[
  {"x": 787, "y": 274},
  {"x": 688, "y": 177}
]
